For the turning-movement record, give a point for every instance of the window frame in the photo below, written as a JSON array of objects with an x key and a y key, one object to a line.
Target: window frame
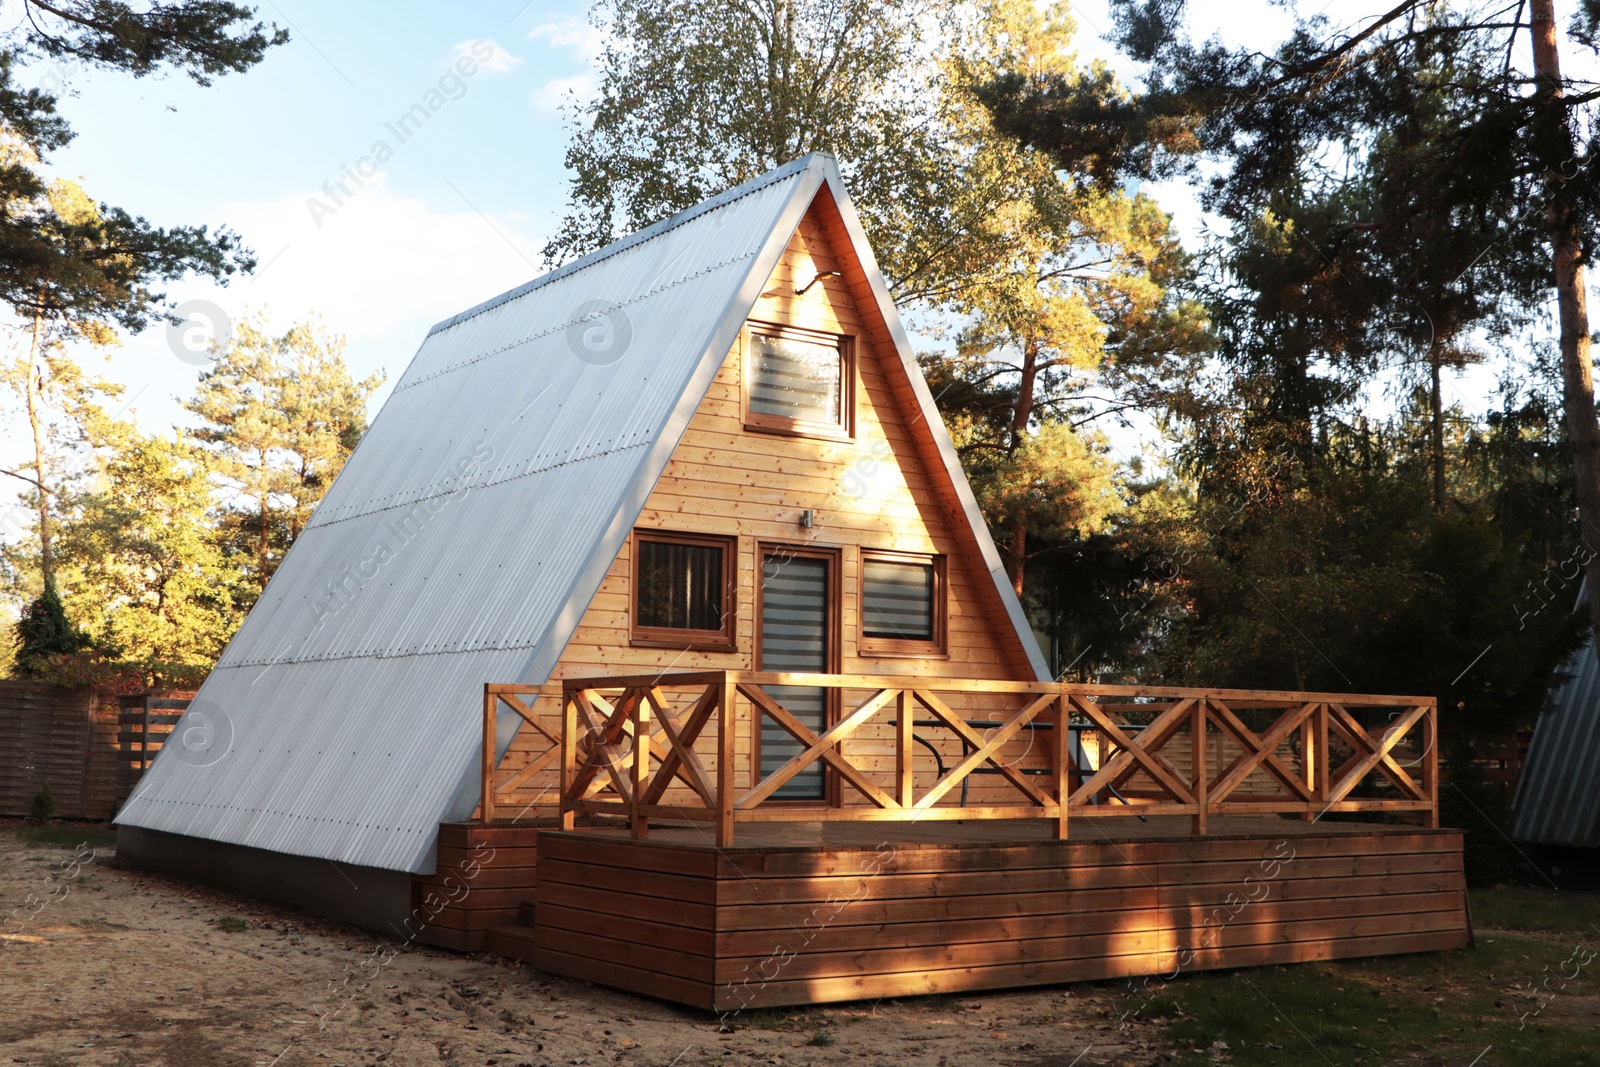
[
  {"x": 723, "y": 640},
  {"x": 936, "y": 647},
  {"x": 760, "y": 422}
]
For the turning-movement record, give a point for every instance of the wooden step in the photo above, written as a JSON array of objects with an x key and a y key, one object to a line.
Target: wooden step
[{"x": 515, "y": 941}]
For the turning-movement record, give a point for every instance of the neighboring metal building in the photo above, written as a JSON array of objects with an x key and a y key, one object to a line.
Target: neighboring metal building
[
  {"x": 1558, "y": 795},
  {"x": 461, "y": 544}
]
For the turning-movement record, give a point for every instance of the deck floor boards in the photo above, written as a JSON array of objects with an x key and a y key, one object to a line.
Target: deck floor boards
[{"x": 806, "y": 836}]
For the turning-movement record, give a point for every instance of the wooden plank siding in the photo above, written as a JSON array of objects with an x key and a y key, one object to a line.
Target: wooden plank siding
[
  {"x": 482, "y": 877},
  {"x": 885, "y": 490},
  {"x": 771, "y": 925}
]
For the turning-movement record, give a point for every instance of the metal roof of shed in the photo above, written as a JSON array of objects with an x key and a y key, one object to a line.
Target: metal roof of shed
[
  {"x": 1558, "y": 792},
  {"x": 468, "y": 532}
]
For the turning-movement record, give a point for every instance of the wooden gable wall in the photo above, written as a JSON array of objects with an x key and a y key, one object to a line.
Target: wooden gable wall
[{"x": 887, "y": 489}]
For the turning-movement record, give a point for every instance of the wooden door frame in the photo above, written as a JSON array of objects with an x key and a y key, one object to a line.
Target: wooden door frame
[{"x": 833, "y": 648}]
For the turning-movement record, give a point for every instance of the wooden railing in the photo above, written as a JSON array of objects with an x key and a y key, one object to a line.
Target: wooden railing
[
  {"x": 678, "y": 747},
  {"x": 500, "y": 788}
]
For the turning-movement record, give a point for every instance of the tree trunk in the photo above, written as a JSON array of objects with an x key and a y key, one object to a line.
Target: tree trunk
[
  {"x": 1436, "y": 431},
  {"x": 1017, "y": 544},
  {"x": 1017, "y": 554},
  {"x": 47, "y": 565},
  {"x": 1577, "y": 371},
  {"x": 263, "y": 543}
]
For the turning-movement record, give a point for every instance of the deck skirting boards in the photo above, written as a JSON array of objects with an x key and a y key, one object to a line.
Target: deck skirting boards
[{"x": 790, "y": 924}]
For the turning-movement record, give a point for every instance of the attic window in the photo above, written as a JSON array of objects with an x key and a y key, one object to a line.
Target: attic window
[
  {"x": 902, "y": 604},
  {"x": 799, "y": 382},
  {"x": 683, "y": 590}
]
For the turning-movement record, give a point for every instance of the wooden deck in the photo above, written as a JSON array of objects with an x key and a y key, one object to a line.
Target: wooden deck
[
  {"x": 1114, "y": 832},
  {"x": 802, "y": 913}
]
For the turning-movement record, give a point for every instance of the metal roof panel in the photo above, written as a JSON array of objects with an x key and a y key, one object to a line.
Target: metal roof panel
[{"x": 460, "y": 540}]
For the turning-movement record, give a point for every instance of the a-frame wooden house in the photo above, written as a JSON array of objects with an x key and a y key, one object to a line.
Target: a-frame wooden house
[{"x": 682, "y": 519}]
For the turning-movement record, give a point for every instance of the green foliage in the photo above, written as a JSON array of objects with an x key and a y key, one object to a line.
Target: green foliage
[
  {"x": 1067, "y": 282},
  {"x": 94, "y": 670},
  {"x": 1102, "y": 598},
  {"x": 1483, "y": 810},
  {"x": 1385, "y": 210},
  {"x": 281, "y": 414},
  {"x": 154, "y": 540},
  {"x": 202, "y": 38},
  {"x": 43, "y": 808},
  {"x": 698, "y": 96},
  {"x": 1342, "y": 576},
  {"x": 44, "y": 632},
  {"x": 73, "y": 269},
  {"x": 142, "y": 561},
  {"x": 65, "y": 259},
  {"x": 233, "y": 924},
  {"x": 74, "y": 836}
]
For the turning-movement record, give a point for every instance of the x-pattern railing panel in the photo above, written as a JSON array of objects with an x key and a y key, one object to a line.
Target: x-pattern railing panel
[
  {"x": 1259, "y": 751},
  {"x": 626, "y": 748},
  {"x": 1132, "y": 755},
  {"x": 823, "y": 747},
  {"x": 1376, "y": 754}
]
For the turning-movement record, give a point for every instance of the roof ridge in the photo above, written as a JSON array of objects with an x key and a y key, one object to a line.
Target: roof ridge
[{"x": 654, "y": 230}]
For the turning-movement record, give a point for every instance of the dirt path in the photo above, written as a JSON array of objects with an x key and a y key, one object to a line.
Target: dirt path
[{"x": 112, "y": 967}]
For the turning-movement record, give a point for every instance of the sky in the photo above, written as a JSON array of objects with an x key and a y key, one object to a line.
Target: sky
[{"x": 456, "y": 213}]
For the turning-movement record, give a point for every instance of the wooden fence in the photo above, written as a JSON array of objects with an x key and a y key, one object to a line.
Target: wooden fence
[
  {"x": 90, "y": 747},
  {"x": 63, "y": 738},
  {"x": 145, "y": 721}
]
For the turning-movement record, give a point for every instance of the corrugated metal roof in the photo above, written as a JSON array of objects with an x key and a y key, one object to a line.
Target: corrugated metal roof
[
  {"x": 1558, "y": 793},
  {"x": 468, "y": 532}
]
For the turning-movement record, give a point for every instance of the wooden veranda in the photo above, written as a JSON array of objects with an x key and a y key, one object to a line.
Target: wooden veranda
[{"x": 974, "y": 834}]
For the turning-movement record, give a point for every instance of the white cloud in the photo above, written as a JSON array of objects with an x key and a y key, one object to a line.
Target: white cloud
[
  {"x": 499, "y": 62},
  {"x": 377, "y": 262},
  {"x": 580, "y": 88},
  {"x": 574, "y": 34},
  {"x": 380, "y": 270},
  {"x": 583, "y": 42}
]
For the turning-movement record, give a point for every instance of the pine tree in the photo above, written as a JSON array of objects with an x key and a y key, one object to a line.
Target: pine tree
[
  {"x": 70, "y": 266},
  {"x": 281, "y": 414},
  {"x": 1479, "y": 155},
  {"x": 43, "y": 632}
]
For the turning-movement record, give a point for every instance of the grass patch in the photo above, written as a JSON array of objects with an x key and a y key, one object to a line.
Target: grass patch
[
  {"x": 789, "y": 1019},
  {"x": 1525, "y": 908},
  {"x": 233, "y": 924},
  {"x": 1160, "y": 1006},
  {"x": 1432, "y": 1008},
  {"x": 67, "y": 836},
  {"x": 820, "y": 1039}
]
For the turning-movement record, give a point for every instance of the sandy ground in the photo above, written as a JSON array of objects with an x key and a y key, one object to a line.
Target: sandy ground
[{"x": 113, "y": 967}]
